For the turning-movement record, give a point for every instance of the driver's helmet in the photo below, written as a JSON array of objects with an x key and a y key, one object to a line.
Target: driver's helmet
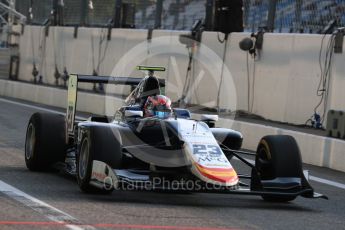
[{"x": 157, "y": 106}]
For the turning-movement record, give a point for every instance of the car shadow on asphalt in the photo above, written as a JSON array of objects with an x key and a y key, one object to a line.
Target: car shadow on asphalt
[{"x": 201, "y": 200}]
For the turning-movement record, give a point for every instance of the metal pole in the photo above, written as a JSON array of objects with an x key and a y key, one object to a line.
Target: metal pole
[
  {"x": 12, "y": 5},
  {"x": 298, "y": 14},
  {"x": 159, "y": 11},
  {"x": 29, "y": 13},
  {"x": 209, "y": 15},
  {"x": 271, "y": 15},
  {"x": 61, "y": 5},
  {"x": 246, "y": 12},
  {"x": 117, "y": 14},
  {"x": 83, "y": 12},
  {"x": 55, "y": 13},
  {"x": 176, "y": 15}
]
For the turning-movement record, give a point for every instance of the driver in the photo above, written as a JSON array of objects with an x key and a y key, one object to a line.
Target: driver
[{"x": 157, "y": 106}]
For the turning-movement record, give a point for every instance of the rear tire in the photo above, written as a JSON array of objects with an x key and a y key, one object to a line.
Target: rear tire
[
  {"x": 278, "y": 156},
  {"x": 45, "y": 141}
]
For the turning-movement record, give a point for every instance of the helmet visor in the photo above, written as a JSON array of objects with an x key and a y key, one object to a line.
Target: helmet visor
[{"x": 162, "y": 114}]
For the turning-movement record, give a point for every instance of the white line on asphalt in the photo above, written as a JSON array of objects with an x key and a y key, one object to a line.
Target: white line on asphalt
[
  {"x": 41, "y": 207},
  {"x": 328, "y": 182},
  {"x": 37, "y": 108},
  {"x": 312, "y": 178}
]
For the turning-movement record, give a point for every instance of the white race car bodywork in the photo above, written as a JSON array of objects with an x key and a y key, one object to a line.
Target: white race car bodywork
[
  {"x": 204, "y": 156},
  {"x": 208, "y": 161}
]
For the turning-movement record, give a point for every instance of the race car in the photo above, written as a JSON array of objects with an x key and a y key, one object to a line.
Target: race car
[{"x": 148, "y": 145}]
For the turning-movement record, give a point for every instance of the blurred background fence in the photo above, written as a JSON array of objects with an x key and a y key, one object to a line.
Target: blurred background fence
[{"x": 304, "y": 16}]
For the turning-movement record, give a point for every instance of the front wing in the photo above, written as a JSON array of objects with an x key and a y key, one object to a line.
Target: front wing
[{"x": 103, "y": 176}]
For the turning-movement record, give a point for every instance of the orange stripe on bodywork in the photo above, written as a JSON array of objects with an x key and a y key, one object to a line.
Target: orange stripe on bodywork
[
  {"x": 215, "y": 169},
  {"x": 223, "y": 175}
]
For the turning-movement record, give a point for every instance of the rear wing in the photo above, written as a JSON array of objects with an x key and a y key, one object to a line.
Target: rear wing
[
  {"x": 73, "y": 81},
  {"x": 133, "y": 81}
]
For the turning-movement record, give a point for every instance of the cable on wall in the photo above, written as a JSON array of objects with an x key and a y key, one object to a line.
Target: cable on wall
[
  {"x": 226, "y": 39},
  {"x": 250, "y": 83},
  {"x": 42, "y": 53},
  {"x": 325, "y": 64},
  {"x": 102, "y": 51},
  {"x": 57, "y": 74},
  {"x": 252, "y": 46}
]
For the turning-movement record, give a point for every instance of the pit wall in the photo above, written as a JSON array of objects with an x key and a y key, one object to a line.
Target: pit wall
[{"x": 284, "y": 80}]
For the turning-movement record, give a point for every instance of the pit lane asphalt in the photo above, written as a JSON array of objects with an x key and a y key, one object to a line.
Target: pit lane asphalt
[{"x": 143, "y": 210}]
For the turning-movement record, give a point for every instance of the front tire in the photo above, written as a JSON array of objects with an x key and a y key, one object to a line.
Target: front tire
[
  {"x": 95, "y": 145},
  {"x": 278, "y": 156},
  {"x": 45, "y": 141},
  {"x": 84, "y": 165}
]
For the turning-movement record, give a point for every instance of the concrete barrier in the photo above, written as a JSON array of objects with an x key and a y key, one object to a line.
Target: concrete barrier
[
  {"x": 284, "y": 77},
  {"x": 316, "y": 150},
  {"x": 87, "y": 102}
]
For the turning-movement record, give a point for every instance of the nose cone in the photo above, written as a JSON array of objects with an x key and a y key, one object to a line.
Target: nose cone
[{"x": 223, "y": 176}]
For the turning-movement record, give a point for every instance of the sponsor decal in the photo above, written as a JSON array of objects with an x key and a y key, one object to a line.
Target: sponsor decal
[
  {"x": 98, "y": 176},
  {"x": 209, "y": 155},
  {"x": 71, "y": 102}
]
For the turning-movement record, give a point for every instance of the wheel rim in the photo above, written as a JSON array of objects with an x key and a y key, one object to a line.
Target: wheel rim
[
  {"x": 262, "y": 159},
  {"x": 83, "y": 159},
  {"x": 30, "y": 142},
  {"x": 262, "y": 156},
  {"x": 263, "y": 162}
]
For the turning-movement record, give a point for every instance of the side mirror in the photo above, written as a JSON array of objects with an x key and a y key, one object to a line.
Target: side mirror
[
  {"x": 210, "y": 120},
  {"x": 133, "y": 113},
  {"x": 207, "y": 117}
]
